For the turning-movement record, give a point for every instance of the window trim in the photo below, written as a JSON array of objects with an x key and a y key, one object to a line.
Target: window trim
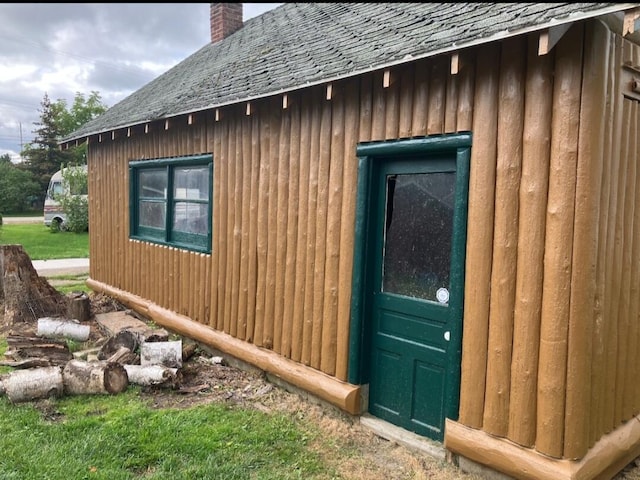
[{"x": 186, "y": 241}]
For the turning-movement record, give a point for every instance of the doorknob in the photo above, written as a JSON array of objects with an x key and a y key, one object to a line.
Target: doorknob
[{"x": 447, "y": 335}]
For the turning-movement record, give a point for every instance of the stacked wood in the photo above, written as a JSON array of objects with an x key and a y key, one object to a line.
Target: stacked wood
[{"x": 20, "y": 347}]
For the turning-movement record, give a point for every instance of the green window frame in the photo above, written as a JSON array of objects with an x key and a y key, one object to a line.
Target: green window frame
[{"x": 171, "y": 201}]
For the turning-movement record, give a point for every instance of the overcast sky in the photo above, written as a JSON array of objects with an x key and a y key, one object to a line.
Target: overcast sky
[{"x": 111, "y": 48}]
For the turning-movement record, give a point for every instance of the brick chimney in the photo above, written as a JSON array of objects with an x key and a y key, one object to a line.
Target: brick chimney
[{"x": 226, "y": 18}]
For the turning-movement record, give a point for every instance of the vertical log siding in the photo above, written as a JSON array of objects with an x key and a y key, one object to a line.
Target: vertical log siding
[{"x": 550, "y": 334}]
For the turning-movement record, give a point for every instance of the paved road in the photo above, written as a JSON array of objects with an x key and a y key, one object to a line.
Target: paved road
[
  {"x": 63, "y": 266},
  {"x": 22, "y": 220}
]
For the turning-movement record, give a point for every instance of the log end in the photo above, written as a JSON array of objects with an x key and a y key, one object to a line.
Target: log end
[{"x": 116, "y": 379}]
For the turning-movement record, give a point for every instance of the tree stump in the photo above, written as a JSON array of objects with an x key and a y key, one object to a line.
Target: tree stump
[
  {"x": 27, "y": 296},
  {"x": 79, "y": 306},
  {"x": 82, "y": 378}
]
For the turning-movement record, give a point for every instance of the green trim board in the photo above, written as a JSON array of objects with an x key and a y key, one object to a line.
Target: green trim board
[{"x": 169, "y": 216}]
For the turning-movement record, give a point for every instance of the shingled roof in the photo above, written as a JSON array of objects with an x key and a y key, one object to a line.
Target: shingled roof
[{"x": 301, "y": 44}]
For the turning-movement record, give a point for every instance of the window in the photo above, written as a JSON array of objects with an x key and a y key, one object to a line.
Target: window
[{"x": 171, "y": 201}]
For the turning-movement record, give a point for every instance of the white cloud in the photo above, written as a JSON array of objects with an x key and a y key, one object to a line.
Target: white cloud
[{"x": 113, "y": 49}]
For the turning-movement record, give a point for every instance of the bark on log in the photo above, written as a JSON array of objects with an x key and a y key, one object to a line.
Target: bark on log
[
  {"x": 24, "y": 347},
  {"x": 28, "y": 363},
  {"x": 54, "y": 328},
  {"x": 33, "y": 384},
  {"x": 81, "y": 378},
  {"x": 123, "y": 338},
  {"x": 168, "y": 354},
  {"x": 153, "y": 375},
  {"x": 27, "y": 296},
  {"x": 79, "y": 306}
]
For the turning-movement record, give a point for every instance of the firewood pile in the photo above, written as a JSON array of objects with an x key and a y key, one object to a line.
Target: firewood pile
[{"x": 42, "y": 323}]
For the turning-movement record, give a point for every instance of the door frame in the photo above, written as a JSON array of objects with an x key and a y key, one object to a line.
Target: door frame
[{"x": 370, "y": 154}]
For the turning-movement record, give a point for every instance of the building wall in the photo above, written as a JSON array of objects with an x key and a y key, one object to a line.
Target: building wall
[{"x": 541, "y": 259}]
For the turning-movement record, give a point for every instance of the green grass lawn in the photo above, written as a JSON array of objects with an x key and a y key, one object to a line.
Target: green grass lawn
[
  {"x": 43, "y": 244},
  {"x": 121, "y": 437}
]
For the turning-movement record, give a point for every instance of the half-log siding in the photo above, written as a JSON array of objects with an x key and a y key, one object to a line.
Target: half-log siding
[{"x": 551, "y": 303}]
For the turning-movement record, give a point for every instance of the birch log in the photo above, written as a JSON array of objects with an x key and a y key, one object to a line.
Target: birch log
[
  {"x": 53, "y": 328},
  {"x": 33, "y": 384},
  {"x": 168, "y": 354},
  {"x": 86, "y": 378},
  {"x": 148, "y": 375}
]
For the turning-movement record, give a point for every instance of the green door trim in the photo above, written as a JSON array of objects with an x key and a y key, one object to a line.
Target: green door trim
[{"x": 368, "y": 155}]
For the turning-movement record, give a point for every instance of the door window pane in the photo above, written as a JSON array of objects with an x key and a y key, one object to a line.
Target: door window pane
[{"x": 418, "y": 233}]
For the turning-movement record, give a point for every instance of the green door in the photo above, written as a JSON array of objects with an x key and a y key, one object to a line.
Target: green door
[{"x": 414, "y": 286}]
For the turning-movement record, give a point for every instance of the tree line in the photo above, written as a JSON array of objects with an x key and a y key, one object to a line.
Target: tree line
[{"x": 23, "y": 185}]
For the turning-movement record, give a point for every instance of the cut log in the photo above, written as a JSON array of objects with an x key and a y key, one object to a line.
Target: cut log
[
  {"x": 153, "y": 375},
  {"x": 33, "y": 384},
  {"x": 84, "y": 354},
  {"x": 124, "y": 356},
  {"x": 27, "y": 296},
  {"x": 188, "y": 351},
  {"x": 123, "y": 338},
  {"x": 168, "y": 354},
  {"x": 87, "y": 378},
  {"x": 79, "y": 306},
  {"x": 55, "y": 328},
  {"x": 24, "y": 347}
]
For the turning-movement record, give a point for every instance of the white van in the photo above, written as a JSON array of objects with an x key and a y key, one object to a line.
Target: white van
[{"x": 53, "y": 213}]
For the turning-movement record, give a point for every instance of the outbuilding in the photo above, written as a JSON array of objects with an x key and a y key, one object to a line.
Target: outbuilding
[{"x": 426, "y": 213}]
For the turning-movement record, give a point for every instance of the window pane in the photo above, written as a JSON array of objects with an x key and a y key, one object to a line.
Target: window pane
[
  {"x": 419, "y": 223},
  {"x": 191, "y": 217},
  {"x": 152, "y": 183},
  {"x": 191, "y": 183},
  {"x": 152, "y": 214}
]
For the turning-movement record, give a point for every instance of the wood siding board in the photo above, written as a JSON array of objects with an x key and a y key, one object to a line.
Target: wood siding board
[
  {"x": 298, "y": 313},
  {"x": 215, "y": 146},
  {"x": 585, "y": 241},
  {"x": 631, "y": 400},
  {"x": 626, "y": 256},
  {"x": 281, "y": 227},
  {"x": 505, "y": 236},
  {"x": 599, "y": 338},
  {"x": 366, "y": 107},
  {"x": 293, "y": 214},
  {"x": 332, "y": 259},
  {"x": 529, "y": 269},
  {"x": 236, "y": 233},
  {"x": 309, "y": 293},
  {"x": 464, "y": 119},
  {"x": 406, "y": 101},
  {"x": 223, "y": 214},
  {"x": 392, "y": 111},
  {"x": 253, "y": 228},
  {"x": 230, "y": 287},
  {"x": 324, "y": 161},
  {"x": 347, "y": 228},
  {"x": 420, "y": 98},
  {"x": 610, "y": 325},
  {"x": 480, "y": 238},
  {"x": 437, "y": 96},
  {"x": 378, "y": 110},
  {"x": 272, "y": 246},
  {"x": 245, "y": 229},
  {"x": 451, "y": 104},
  {"x": 552, "y": 369}
]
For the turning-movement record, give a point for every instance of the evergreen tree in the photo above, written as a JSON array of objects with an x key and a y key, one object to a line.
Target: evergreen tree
[{"x": 43, "y": 156}]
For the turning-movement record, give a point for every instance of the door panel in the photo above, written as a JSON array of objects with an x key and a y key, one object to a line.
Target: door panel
[{"x": 412, "y": 218}]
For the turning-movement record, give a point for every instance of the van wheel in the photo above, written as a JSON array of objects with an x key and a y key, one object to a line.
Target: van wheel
[{"x": 57, "y": 225}]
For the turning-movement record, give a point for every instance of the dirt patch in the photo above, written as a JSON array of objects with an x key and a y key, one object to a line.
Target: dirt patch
[{"x": 353, "y": 450}]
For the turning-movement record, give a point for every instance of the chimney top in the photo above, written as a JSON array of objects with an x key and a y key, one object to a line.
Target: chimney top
[{"x": 226, "y": 18}]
